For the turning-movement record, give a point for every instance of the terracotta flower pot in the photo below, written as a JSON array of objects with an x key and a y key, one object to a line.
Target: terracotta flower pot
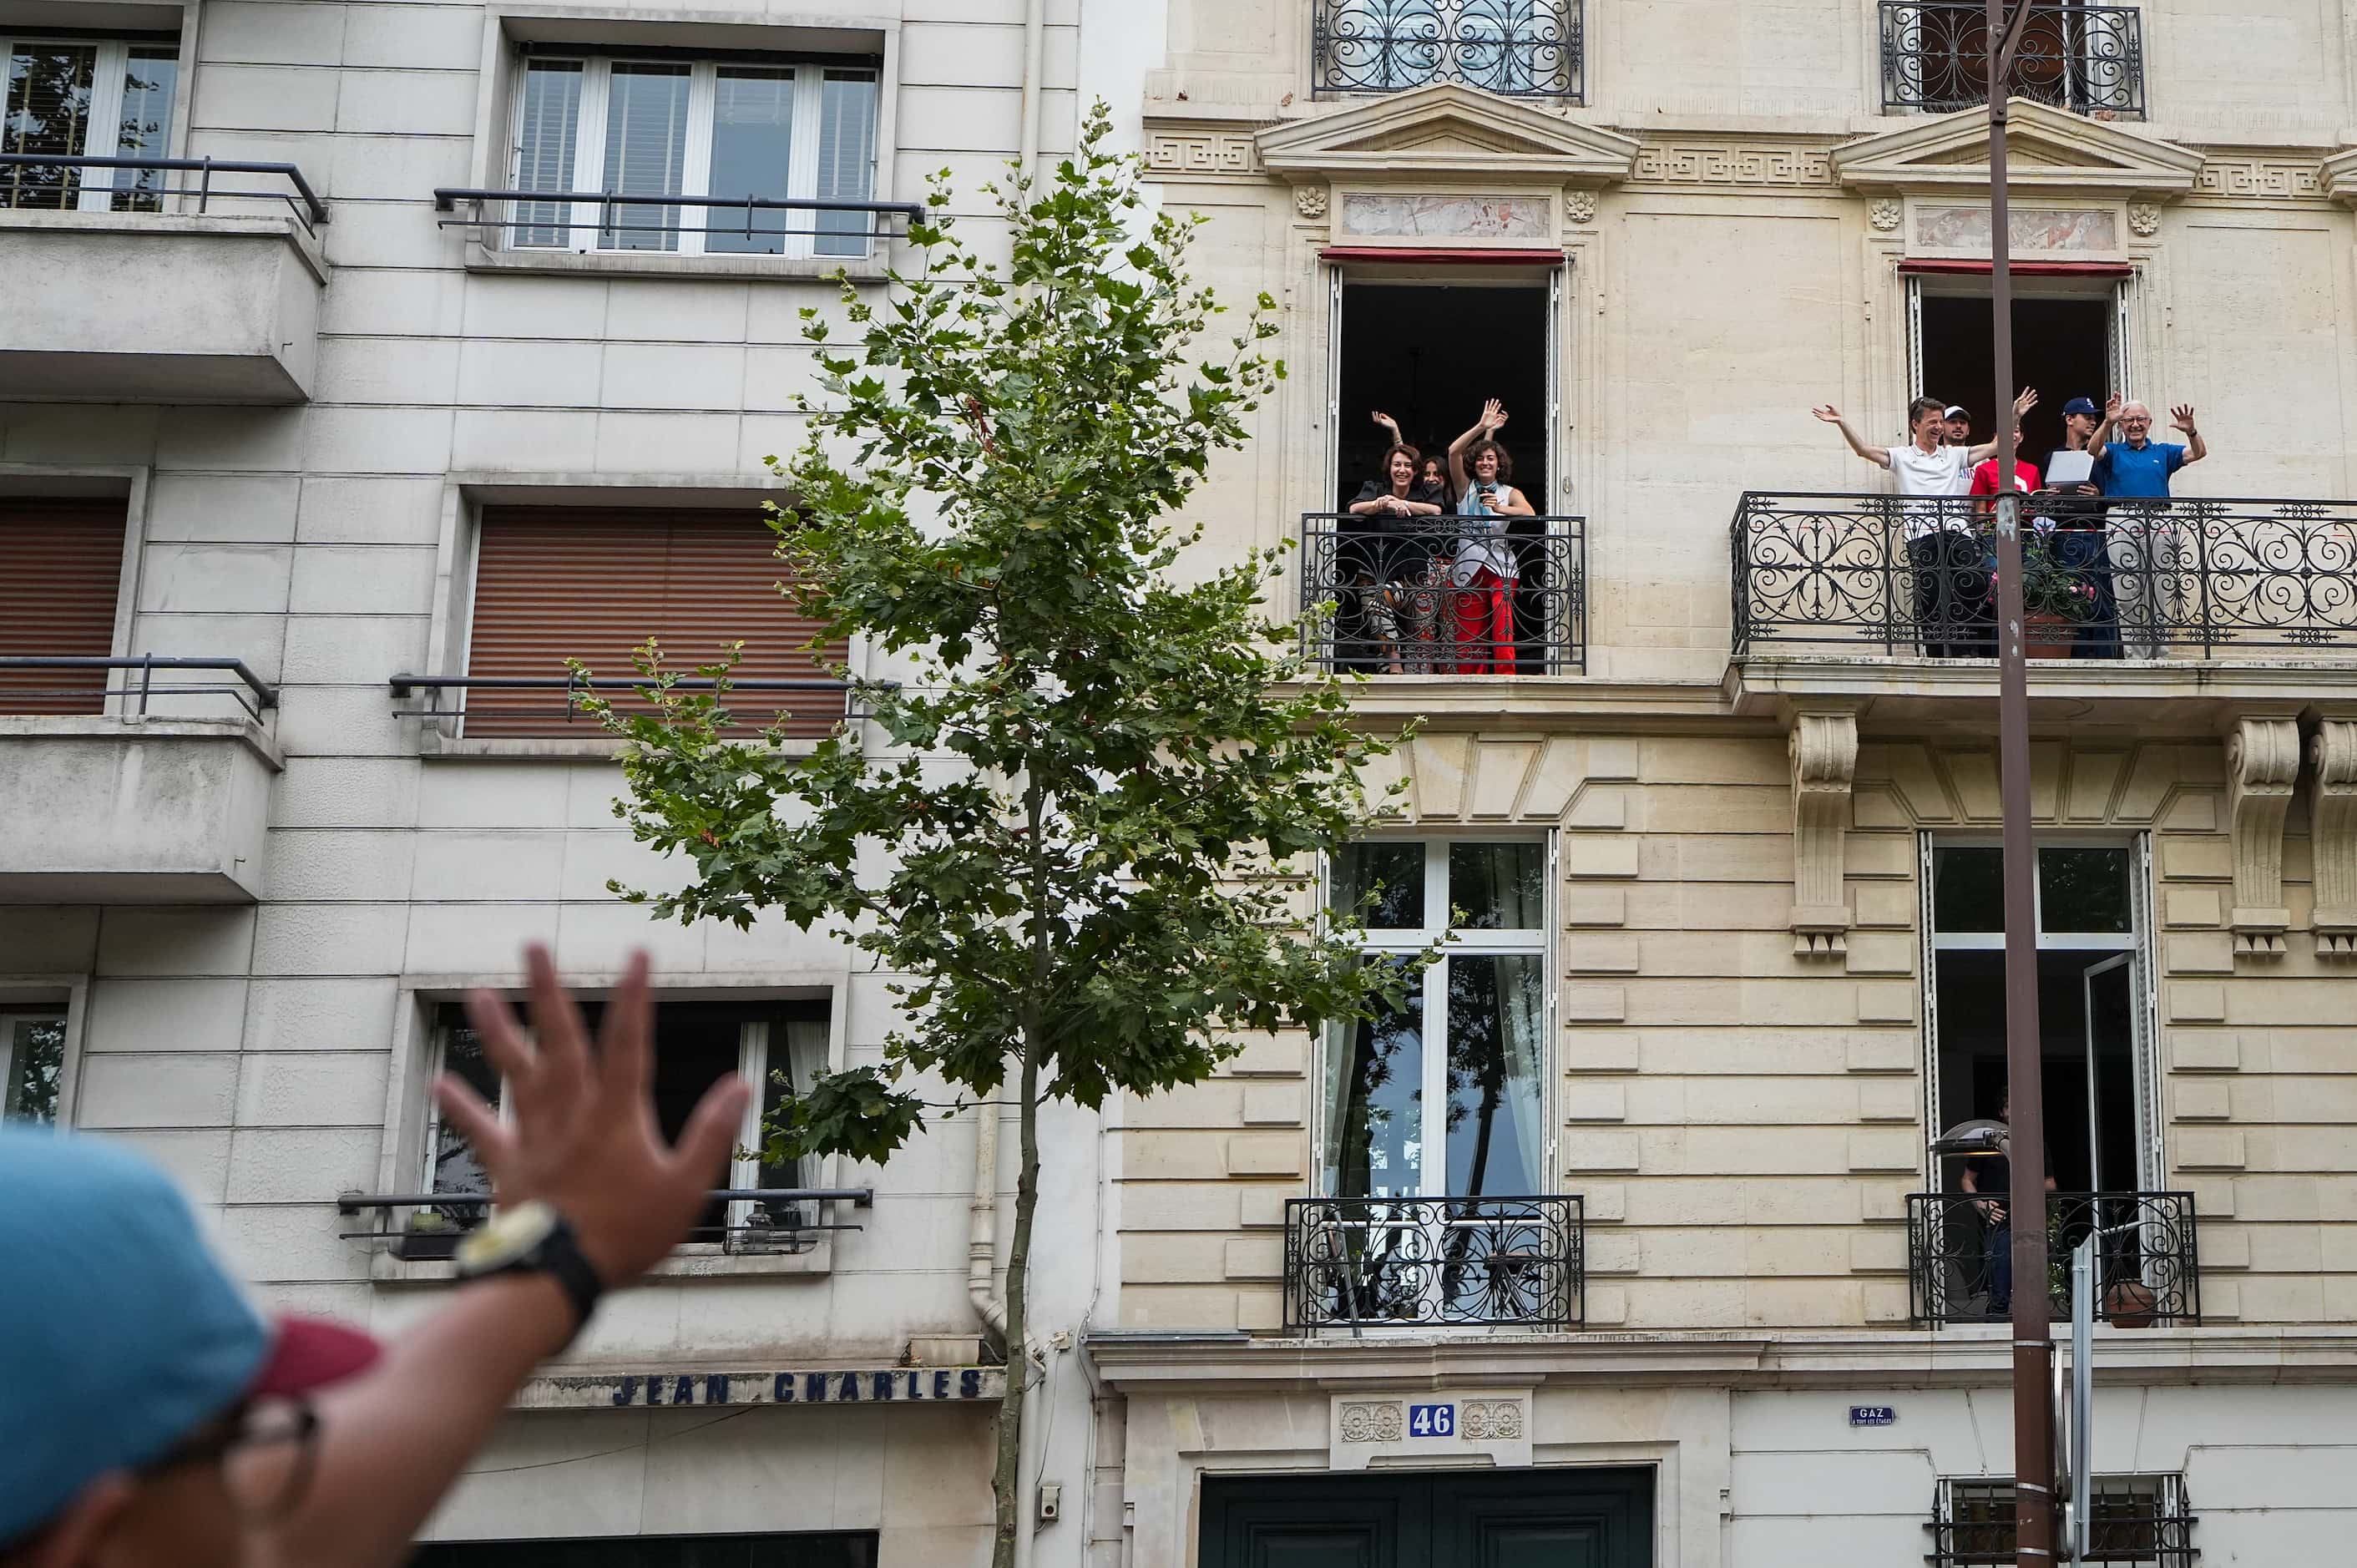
[
  {"x": 2130, "y": 1303},
  {"x": 2048, "y": 636}
]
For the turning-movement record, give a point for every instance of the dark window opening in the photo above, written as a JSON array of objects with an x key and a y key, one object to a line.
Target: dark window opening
[
  {"x": 831, "y": 1549},
  {"x": 2060, "y": 346},
  {"x": 1429, "y": 355}
]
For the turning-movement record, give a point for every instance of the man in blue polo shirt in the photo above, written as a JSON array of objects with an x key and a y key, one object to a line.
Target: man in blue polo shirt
[
  {"x": 2146, "y": 548},
  {"x": 2134, "y": 465}
]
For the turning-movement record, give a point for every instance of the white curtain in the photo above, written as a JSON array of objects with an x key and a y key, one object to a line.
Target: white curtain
[{"x": 1522, "y": 1005}]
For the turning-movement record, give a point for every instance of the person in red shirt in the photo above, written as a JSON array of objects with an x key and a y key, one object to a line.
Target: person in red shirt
[{"x": 2025, "y": 475}]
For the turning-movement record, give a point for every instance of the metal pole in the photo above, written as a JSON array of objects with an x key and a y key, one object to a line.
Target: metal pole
[{"x": 2033, "y": 1350}]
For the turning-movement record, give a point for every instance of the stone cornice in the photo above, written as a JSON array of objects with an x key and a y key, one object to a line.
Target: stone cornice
[{"x": 1972, "y": 1356}]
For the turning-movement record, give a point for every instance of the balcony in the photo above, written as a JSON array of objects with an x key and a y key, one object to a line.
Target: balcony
[
  {"x": 2088, "y": 59},
  {"x": 1519, "y": 49},
  {"x": 133, "y": 781},
  {"x": 164, "y": 280},
  {"x": 1454, "y": 1263},
  {"x": 1425, "y": 596},
  {"x": 2147, "y": 1269}
]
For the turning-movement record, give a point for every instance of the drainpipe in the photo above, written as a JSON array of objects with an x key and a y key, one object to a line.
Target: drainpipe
[
  {"x": 982, "y": 1231},
  {"x": 1035, "y": 54}
]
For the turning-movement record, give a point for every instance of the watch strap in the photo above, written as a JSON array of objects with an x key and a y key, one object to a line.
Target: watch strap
[{"x": 560, "y": 1255}]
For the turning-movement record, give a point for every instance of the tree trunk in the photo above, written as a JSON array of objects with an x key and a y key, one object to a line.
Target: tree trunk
[{"x": 1007, "y": 1478}]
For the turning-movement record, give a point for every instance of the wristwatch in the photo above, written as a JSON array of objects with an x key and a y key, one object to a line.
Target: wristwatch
[{"x": 532, "y": 1238}]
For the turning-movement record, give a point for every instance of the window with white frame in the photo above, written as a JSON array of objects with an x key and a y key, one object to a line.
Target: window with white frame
[
  {"x": 776, "y": 1044},
  {"x": 87, "y": 97},
  {"x": 1444, "y": 1096},
  {"x": 768, "y": 128},
  {"x": 32, "y": 1064}
]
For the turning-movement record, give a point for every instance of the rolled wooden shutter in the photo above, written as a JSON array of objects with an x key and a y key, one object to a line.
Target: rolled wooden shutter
[
  {"x": 558, "y": 584},
  {"x": 60, "y": 568}
]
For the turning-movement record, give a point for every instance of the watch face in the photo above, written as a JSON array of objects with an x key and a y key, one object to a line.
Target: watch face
[{"x": 507, "y": 1235}]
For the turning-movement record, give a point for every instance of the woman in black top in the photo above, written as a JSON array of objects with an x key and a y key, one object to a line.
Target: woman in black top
[{"x": 1382, "y": 580}]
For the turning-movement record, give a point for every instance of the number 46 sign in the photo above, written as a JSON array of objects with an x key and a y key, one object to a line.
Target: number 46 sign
[{"x": 1432, "y": 1421}]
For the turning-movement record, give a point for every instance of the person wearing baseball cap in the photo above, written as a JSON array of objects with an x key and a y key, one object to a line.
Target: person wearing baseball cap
[
  {"x": 151, "y": 1416},
  {"x": 1959, "y": 426}
]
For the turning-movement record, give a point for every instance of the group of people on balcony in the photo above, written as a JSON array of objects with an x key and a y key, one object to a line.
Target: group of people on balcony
[
  {"x": 1425, "y": 596},
  {"x": 2080, "y": 561}
]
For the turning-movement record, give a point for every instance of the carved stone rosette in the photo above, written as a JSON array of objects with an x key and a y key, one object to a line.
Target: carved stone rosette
[
  {"x": 1885, "y": 213},
  {"x": 1309, "y": 200},
  {"x": 1825, "y": 766},
  {"x": 1579, "y": 206},
  {"x": 2262, "y": 770},
  {"x": 1383, "y": 1421},
  {"x": 1485, "y": 1420},
  {"x": 2333, "y": 835}
]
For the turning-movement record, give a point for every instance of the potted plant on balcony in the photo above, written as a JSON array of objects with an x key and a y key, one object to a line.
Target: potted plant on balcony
[{"x": 2056, "y": 599}]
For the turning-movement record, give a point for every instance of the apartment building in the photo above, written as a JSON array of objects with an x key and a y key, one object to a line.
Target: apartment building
[
  {"x": 1624, "y": 1243},
  {"x": 319, "y": 455}
]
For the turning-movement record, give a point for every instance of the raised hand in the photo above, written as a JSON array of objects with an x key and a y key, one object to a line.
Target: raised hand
[
  {"x": 2181, "y": 418},
  {"x": 1828, "y": 413},
  {"x": 584, "y": 1138},
  {"x": 2112, "y": 406},
  {"x": 1387, "y": 421},
  {"x": 1493, "y": 416},
  {"x": 2026, "y": 402}
]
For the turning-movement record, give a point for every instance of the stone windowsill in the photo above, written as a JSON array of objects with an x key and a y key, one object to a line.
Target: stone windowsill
[{"x": 482, "y": 258}]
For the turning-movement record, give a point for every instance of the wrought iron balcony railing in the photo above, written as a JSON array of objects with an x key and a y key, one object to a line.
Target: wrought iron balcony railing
[
  {"x": 1524, "y": 48},
  {"x": 56, "y": 183},
  {"x": 1445, "y": 595},
  {"x": 2102, "y": 578},
  {"x": 655, "y": 220},
  {"x": 741, "y": 1219},
  {"x": 2087, "y": 59},
  {"x": 2147, "y": 1269},
  {"x": 2136, "y": 1521},
  {"x": 1507, "y": 1262}
]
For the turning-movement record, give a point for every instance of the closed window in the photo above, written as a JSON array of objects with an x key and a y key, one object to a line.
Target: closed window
[
  {"x": 770, "y": 130},
  {"x": 60, "y": 568},
  {"x": 32, "y": 1064},
  {"x": 2136, "y": 1521},
  {"x": 775, "y": 1044},
  {"x": 100, "y": 98},
  {"x": 553, "y": 585}
]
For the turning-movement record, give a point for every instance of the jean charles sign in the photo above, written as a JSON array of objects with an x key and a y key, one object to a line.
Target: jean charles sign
[{"x": 829, "y": 1385}]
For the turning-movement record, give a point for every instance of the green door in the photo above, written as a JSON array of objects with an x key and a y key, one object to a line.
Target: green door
[{"x": 1534, "y": 1519}]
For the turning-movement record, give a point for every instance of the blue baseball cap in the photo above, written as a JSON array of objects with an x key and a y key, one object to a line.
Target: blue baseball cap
[
  {"x": 2079, "y": 405},
  {"x": 120, "y": 1333}
]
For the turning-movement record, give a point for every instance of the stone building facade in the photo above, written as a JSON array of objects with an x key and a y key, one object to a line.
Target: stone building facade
[{"x": 1674, "y": 1279}]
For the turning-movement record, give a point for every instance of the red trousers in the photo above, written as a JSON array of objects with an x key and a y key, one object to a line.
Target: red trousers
[{"x": 1485, "y": 625}]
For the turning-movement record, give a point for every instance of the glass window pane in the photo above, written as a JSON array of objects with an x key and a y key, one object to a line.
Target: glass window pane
[
  {"x": 1499, "y": 886},
  {"x": 1968, "y": 890},
  {"x": 847, "y": 160},
  {"x": 752, "y": 135},
  {"x": 1374, "y": 1104},
  {"x": 48, "y": 111},
  {"x": 1497, "y": 1036},
  {"x": 36, "y": 1057},
  {"x": 147, "y": 128},
  {"x": 1393, "y": 874},
  {"x": 551, "y": 114},
  {"x": 2084, "y": 890},
  {"x": 646, "y": 152},
  {"x": 456, "y": 1169}
]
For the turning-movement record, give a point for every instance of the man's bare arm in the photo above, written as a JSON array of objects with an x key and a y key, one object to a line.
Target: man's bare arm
[{"x": 1879, "y": 456}]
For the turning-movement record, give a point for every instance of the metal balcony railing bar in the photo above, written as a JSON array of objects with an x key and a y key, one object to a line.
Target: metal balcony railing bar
[
  {"x": 1406, "y": 601},
  {"x": 2085, "y": 58},
  {"x": 249, "y": 691},
  {"x": 302, "y": 200},
  {"x": 2106, "y": 578},
  {"x": 1512, "y": 1262},
  {"x": 556, "y": 207},
  {"x": 1523, "y": 48},
  {"x": 2148, "y": 1263},
  {"x": 407, "y": 686},
  {"x": 783, "y": 1205}
]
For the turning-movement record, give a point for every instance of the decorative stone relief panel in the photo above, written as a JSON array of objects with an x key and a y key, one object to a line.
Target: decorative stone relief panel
[
  {"x": 2333, "y": 835},
  {"x": 1824, "y": 767},
  {"x": 2262, "y": 769},
  {"x": 1428, "y": 1426},
  {"x": 1309, "y": 200},
  {"x": 1201, "y": 150},
  {"x": 2259, "y": 177},
  {"x": 1698, "y": 163},
  {"x": 1385, "y": 216},
  {"x": 1961, "y": 228}
]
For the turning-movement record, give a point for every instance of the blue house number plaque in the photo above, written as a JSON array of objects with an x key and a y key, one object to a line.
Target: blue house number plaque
[{"x": 1432, "y": 1421}]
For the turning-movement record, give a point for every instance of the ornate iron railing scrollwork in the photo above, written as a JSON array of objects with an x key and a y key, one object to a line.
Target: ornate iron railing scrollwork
[
  {"x": 1521, "y": 49},
  {"x": 2105, "y": 578},
  {"x": 2136, "y": 1521},
  {"x": 2147, "y": 1267},
  {"x": 1421, "y": 596},
  {"x": 1509, "y": 1262},
  {"x": 2085, "y": 58}
]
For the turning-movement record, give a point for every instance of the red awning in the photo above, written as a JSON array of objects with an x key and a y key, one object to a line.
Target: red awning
[
  {"x": 1453, "y": 258},
  {"x": 2020, "y": 269}
]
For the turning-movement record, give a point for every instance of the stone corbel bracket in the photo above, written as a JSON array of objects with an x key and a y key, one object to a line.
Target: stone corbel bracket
[
  {"x": 2262, "y": 770},
  {"x": 2333, "y": 835},
  {"x": 1824, "y": 767}
]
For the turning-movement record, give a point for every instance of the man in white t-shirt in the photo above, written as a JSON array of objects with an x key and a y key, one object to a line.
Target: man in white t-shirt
[{"x": 1952, "y": 578}]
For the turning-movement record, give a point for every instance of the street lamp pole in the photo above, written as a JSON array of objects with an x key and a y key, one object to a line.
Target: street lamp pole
[{"x": 2033, "y": 1349}]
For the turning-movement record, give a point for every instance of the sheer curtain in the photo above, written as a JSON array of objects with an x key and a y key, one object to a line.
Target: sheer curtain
[{"x": 1522, "y": 1005}]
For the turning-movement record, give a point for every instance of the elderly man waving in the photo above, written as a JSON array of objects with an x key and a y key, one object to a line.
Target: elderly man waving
[{"x": 2147, "y": 546}]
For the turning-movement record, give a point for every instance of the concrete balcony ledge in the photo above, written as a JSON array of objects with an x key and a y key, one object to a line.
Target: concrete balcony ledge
[
  {"x": 121, "y": 810},
  {"x": 2197, "y": 694},
  {"x": 158, "y": 307}
]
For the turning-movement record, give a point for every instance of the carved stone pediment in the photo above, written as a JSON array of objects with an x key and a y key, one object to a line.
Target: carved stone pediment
[
  {"x": 1446, "y": 132},
  {"x": 2048, "y": 151}
]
